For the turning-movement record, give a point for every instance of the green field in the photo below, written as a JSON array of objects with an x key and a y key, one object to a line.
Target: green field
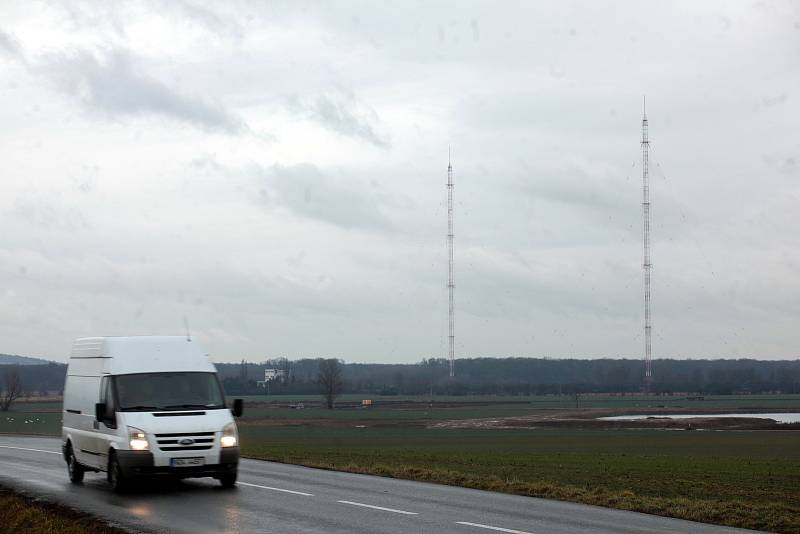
[
  {"x": 745, "y": 479},
  {"x": 45, "y": 417},
  {"x": 47, "y": 423},
  {"x": 733, "y": 402},
  {"x": 399, "y": 413},
  {"x": 467, "y": 407}
]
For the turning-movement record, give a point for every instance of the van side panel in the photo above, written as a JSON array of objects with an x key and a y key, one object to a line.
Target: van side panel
[
  {"x": 81, "y": 393},
  {"x": 86, "y": 366}
]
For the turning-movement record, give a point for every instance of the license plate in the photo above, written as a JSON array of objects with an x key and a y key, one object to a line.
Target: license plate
[{"x": 186, "y": 462}]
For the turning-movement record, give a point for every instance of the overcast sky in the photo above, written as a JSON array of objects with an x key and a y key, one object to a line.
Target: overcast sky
[{"x": 275, "y": 174}]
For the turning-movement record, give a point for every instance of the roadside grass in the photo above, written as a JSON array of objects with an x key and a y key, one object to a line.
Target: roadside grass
[
  {"x": 741, "y": 479},
  {"x": 20, "y": 514}
]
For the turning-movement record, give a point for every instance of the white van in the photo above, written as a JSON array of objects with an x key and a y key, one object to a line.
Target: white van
[{"x": 147, "y": 406}]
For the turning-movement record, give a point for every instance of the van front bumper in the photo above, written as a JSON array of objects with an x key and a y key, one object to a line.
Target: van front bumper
[{"x": 142, "y": 464}]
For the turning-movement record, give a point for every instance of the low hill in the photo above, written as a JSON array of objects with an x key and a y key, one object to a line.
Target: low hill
[{"x": 12, "y": 359}]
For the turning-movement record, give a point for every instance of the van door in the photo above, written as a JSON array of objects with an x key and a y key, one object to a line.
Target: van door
[
  {"x": 105, "y": 429},
  {"x": 80, "y": 395}
]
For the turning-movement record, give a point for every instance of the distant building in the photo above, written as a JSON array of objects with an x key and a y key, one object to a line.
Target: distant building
[{"x": 272, "y": 375}]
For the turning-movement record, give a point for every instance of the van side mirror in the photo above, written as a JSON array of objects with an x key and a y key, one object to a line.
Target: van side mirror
[
  {"x": 238, "y": 408},
  {"x": 100, "y": 411}
]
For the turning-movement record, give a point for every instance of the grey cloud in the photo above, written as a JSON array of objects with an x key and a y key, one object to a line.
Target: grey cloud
[
  {"x": 205, "y": 17},
  {"x": 548, "y": 253},
  {"x": 47, "y": 214},
  {"x": 597, "y": 289},
  {"x": 783, "y": 163},
  {"x": 476, "y": 32},
  {"x": 307, "y": 192},
  {"x": 576, "y": 187},
  {"x": 95, "y": 16},
  {"x": 770, "y": 101},
  {"x": 114, "y": 85},
  {"x": 8, "y": 44},
  {"x": 348, "y": 199},
  {"x": 342, "y": 113},
  {"x": 604, "y": 204},
  {"x": 589, "y": 205}
]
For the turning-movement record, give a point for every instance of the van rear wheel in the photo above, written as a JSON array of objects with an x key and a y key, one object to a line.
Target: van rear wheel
[
  {"x": 75, "y": 470},
  {"x": 116, "y": 479}
]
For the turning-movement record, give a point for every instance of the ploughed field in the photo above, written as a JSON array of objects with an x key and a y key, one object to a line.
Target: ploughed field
[{"x": 739, "y": 478}]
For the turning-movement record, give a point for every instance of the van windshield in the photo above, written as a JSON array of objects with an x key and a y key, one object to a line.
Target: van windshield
[{"x": 168, "y": 391}]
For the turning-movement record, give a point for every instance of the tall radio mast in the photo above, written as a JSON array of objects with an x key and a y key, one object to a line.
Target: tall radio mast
[
  {"x": 450, "y": 284},
  {"x": 646, "y": 265}
]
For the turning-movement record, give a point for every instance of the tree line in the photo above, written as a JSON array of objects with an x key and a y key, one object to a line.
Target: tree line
[
  {"x": 521, "y": 376},
  {"x": 487, "y": 376},
  {"x": 33, "y": 380}
]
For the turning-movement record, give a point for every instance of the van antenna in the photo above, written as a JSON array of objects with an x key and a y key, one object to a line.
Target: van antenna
[{"x": 188, "y": 333}]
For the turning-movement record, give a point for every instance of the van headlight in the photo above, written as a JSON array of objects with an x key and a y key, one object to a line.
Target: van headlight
[
  {"x": 137, "y": 439},
  {"x": 229, "y": 437}
]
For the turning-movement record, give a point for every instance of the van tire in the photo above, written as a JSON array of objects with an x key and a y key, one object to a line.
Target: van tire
[
  {"x": 118, "y": 482},
  {"x": 228, "y": 481},
  {"x": 74, "y": 469}
]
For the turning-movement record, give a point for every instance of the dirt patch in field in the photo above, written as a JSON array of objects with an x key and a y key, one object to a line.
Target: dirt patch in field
[
  {"x": 333, "y": 423},
  {"x": 590, "y": 420},
  {"x": 578, "y": 419},
  {"x": 404, "y": 404}
]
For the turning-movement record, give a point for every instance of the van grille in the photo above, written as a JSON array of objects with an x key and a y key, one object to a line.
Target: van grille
[{"x": 200, "y": 441}]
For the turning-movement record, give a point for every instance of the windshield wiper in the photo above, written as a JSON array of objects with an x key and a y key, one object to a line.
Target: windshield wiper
[{"x": 140, "y": 408}]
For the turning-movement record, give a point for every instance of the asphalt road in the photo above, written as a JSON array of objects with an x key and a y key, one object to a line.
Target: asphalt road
[{"x": 273, "y": 497}]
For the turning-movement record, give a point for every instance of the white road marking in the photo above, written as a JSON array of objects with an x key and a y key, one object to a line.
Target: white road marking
[
  {"x": 490, "y": 527},
  {"x": 26, "y": 449},
  {"x": 276, "y": 489},
  {"x": 378, "y": 508}
]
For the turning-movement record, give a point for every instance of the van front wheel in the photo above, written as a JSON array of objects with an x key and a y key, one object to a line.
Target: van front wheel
[
  {"x": 228, "y": 481},
  {"x": 116, "y": 479},
  {"x": 75, "y": 470}
]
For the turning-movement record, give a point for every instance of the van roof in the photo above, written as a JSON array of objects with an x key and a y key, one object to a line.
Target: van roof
[{"x": 143, "y": 354}]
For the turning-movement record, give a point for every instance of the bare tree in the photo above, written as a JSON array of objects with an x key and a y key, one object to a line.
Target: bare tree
[
  {"x": 330, "y": 378},
  {"x": 12, "y": 388}
]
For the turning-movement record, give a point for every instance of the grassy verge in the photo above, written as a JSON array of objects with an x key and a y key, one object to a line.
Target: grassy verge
[
  {"x": 742, "y": 479},
  {"x": 20, "y": 514}
]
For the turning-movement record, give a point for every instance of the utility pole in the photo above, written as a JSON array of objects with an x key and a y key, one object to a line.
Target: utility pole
[
  {"x": 646, "y": 264},
  {"x": 450, "y": 283}
]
